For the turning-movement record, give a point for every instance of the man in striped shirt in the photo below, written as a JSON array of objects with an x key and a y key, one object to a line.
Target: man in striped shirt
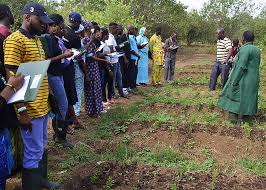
[
  {"x": 221, "y": 66},
  {"x": 20, "y": 47}
]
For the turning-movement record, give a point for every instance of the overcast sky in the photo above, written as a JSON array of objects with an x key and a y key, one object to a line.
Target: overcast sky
[{"x": 198, "y": 4}]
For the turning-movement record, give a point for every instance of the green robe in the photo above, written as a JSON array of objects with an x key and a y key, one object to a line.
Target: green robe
[{"x": 240, "y": 94}]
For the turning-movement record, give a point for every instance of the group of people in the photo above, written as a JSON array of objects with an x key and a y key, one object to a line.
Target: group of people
[
  {"x": 86, "y": 60},
  {"x": 239, "y": 70}
]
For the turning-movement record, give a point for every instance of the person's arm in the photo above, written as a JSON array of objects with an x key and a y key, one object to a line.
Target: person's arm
[
  {"x": 99, "y": 59},
  {"x": 14, "y": 51},
  {"x": 135, "y": 53},
  {"x": 66, "y": 54}
]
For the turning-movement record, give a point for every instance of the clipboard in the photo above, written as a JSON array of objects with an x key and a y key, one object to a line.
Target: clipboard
[{"x": 37, "y": 71}]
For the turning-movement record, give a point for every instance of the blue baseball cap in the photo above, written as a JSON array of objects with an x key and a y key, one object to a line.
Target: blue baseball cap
[
  {"x": 75, "y": 17},
  {"x": 37, "y": 10}
]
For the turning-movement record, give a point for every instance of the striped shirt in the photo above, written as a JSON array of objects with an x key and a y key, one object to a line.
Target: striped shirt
[
  {"x": 223, "y": 47},
  {"x": 21, "y": 47}
]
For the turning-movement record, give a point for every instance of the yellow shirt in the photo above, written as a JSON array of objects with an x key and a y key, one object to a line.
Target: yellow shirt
[
  {"x": 21, "y": 47},
  {"x": 156, "y": 48}
]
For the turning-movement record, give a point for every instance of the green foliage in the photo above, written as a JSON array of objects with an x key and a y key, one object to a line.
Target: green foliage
[
  {"x": 255, "y": 166},
  {"x": 166, "y": 156}
]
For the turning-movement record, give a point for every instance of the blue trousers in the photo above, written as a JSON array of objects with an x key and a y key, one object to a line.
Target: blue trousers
[
  {"x": 56, "y": 84},
  {"x": 217, "y": 69},
  {"x": 35, "y": 142},
  {"x": 79, "y": 83},
  {"x": 117, "y": 75}
]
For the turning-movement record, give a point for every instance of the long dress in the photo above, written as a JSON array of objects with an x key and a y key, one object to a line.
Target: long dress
[
  {"x": 143, "y": 68},
  {"x": 156, "y": 49},
  {"x": 93, "y": 92},
  {"x": 240, "y": 94}
]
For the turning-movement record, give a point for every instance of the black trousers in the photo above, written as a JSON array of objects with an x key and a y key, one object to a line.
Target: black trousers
[
  {"x": 133, "y": 72},
  {"x": 125, "y": 73}
]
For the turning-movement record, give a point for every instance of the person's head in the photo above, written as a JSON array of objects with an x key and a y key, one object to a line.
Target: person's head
[
  {"x": 143, "y": 31},
  {"x": 88, "y": 28},
  {"x": 235, "y": 42},
  {"x": 97, "y": 31},
  {"x": 174, "y": 36},
  {"x": 94, "y": 23},
  {"x": 35, "y": 18},
  {"x": 220, "y": 34},
  {"x": 6, "y": 16},
  {"x": 131, "y": 29},
  {"x": 75, "y": 20},
  {"x": 113, "y": 28},
  {"x": 120, "y": 29},
  {"x": 58, "y": 26},
  {"x": 105, "y": 34},
  {"x": 248, "y": 36},
  {"x": 158, "y": 30}
]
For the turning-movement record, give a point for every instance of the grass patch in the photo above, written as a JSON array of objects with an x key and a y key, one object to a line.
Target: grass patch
[
  {"x": 254, "y": 166},
  {"x": 166, "y": 156}
]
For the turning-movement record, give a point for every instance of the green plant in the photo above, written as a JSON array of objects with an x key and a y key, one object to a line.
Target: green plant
[
  {"x": 255, "y": 166},
  {"x": 109, "y": 183}
]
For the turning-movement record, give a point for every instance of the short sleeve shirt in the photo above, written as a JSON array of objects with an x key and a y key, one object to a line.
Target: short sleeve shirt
[
  {"x": 21, "y": 47},
  {"x": 133, "y": 46},
  {"x": 112, "y": 42},
  {"x": 223, "y": 47}
]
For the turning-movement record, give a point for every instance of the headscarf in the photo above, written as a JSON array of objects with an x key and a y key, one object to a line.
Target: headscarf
[{"x": 142, "y": 31}]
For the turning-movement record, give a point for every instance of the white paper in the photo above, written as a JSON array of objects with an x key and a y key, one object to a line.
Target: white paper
[
  {"x": 144, "y": 43},
  {"x": 20, "y": 94},
  {"x": 75, "y": 53},
  {"x": 35, "y": 81},
  {"x": 116, "y": 54},
  {"x": 101, "y": 47}
]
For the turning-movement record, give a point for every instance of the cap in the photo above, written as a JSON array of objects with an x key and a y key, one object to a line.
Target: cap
[
  {"x": 37, "y": 10},
  {"x": 75, "y": 17}
]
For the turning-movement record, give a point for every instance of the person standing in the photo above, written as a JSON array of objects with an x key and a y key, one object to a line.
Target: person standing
[
  {"x": 93, "y": 91},
  {"x": 75, "y": 70},
  {"x": 170, "y": 50},
  {"x": 143, "y": 65},
  {"x": 240, "y": 94},
  {"x": 10, "y": 141},
  {"x": 156, "y": 49},
  {"x": 117, "y": 75},
  {"x": 52, "y": 43},
  {"x": 221, "y": 66},
  {"x": 24, "y": 46},
  {"x": 123, "y": 46},
  {"x": 134, "y": 57}
]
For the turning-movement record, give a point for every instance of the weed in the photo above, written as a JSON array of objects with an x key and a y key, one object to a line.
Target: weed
[
  {"x": 206, "y": 152},
  {"x": 109, "y": 183},
  {"x": 255, "y": 166}
]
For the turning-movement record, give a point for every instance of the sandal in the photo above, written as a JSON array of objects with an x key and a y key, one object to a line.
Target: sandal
[{"x": 70, "y": 130}]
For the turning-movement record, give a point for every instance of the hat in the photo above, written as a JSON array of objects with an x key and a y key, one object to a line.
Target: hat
[
  {"x": 37, "y": 10},
  {"x": 75, "y": 17}
]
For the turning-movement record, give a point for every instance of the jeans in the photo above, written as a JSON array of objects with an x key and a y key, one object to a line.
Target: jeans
[
  {"x": 3, "y": 162},
  {"x": 79, "y": 83},
  {"x": 125, "y": 73},
  {"x": 133, "y": 73},
  {"x": 117, "y": 75},
  {"x": 56, "y": 84},
  {"x": 169, "y": 69},
  {"x": 35, "y": 142},
  {"x": 217, "y": 69}
]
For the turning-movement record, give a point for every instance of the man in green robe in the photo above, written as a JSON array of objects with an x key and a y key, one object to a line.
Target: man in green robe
[{"x": 240, "y": 94}]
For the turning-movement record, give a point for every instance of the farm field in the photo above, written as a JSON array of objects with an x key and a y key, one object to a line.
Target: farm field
[{"x": 172, "y": 137}]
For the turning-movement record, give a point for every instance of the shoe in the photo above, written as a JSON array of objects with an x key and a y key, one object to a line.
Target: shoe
[
  {"x": 104, "y": 111},
  {"x": 125, "y": 91},
  {"x": 45, "y": 183}
]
